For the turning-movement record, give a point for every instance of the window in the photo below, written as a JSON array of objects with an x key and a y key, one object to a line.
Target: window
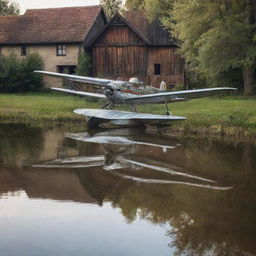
[
  {"x": 61, "y": 50},
  {"x": 66, "y": 69},
  {"x": 23, "y": 50},
  {"x": 157, "y": 69}
]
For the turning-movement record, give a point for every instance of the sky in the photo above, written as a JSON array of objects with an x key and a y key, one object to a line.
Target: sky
[{"x": 33, "y": 4}]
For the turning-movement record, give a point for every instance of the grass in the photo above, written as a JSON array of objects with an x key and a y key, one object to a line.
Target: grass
[
  {"x": 215, "y": 114},
  {"x": 238, "y": 111},
  {"x": 41, "y": 107}
]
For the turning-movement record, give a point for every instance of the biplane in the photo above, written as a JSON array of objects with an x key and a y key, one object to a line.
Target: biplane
[{"x": 117, "y": 92}]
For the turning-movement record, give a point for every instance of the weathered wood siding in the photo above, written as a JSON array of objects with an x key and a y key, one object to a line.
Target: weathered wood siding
[
  {"x": 120, "y": 61},
  {"x": 119, "y": 35},
  {"x": 120, "y": 53},
  {"x": 172, "y": 66}
]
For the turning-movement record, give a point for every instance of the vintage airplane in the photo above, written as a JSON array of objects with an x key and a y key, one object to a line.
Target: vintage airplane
[{"x": 116, "y": 92}]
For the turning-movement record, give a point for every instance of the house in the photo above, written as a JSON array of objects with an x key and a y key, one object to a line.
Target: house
[
  {"x": 57, "y": 34},
  {"x": 131, "y": 46},
  {"x": 126, "y": 46}
]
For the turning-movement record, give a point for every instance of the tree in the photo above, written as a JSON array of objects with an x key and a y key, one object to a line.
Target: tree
[
  {"x": 154, "y": 10},
  {"x": 217, "y": 36},
  {"x": 8, "y": 7},
  {"x": 111, "y": 7},
  {"x": 134, "y": 5}
]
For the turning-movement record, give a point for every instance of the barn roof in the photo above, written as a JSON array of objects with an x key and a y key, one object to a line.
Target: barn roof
[
  {"x": 68, "y": 24},
  {"x": 152, "y": 33}
]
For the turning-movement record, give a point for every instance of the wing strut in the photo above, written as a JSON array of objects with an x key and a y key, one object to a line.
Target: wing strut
[
  {"x": 166, "y": 107},
  {"x": 132, "y": 107},
  {"x": 109, "y": 105}
]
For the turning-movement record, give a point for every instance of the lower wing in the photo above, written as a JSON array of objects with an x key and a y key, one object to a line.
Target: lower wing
[
  {"x": 119, "y": 115},
  {"x": 81, "y": 93}
]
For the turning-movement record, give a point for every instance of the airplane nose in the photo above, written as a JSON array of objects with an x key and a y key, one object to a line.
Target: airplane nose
[{"x": 109, "y": 93}]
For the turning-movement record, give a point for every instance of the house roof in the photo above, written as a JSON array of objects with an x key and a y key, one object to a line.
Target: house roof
[
  {"x": 152, "y": 33},
  {"x": 68, "y": 24}
]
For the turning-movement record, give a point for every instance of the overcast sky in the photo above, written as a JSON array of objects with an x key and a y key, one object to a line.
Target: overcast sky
[{"x": 32, "y": 4}]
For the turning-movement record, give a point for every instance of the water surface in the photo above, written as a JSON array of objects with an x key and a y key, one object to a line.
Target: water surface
[{"x": 124, "y": 192}]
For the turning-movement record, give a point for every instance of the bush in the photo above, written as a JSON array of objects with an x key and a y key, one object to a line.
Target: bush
[
  {"x": 84, "y": 64},
  {"x": 16, "y": 75},
  {"x": 32, "y": 81},
  {"x": 230, "y": 78},
  {"x": 10, "y": 72}
]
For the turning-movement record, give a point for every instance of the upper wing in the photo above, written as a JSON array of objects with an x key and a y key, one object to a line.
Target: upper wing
[
  {"x": 82, "y": 93},
  {"x": 177, "y": 96},
  {"x": 75, "y": 78},
  {"x": 82, "y": 79}
]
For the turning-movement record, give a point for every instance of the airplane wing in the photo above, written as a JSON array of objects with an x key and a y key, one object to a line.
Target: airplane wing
[
  {"x": 75, "y": 78},
  {"x": 177, "y": 95},
  {"x": 81, "y": 93},
  {"x": 118, "y": 115}
]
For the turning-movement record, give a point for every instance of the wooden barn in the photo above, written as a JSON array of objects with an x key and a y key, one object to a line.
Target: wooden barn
[{"x": 131, "y": 46}]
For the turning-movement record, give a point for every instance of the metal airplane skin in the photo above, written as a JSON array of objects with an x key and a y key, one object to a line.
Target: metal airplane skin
[{"x": 116, "y": 92}]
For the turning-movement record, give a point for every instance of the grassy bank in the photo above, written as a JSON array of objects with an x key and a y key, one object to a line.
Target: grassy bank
[
  {"x": 226, "y": 115},
  {"x": 230, "y": 115},
  {"x": 41, "y": 107}
]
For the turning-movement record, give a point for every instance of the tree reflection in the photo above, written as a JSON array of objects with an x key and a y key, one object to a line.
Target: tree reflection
[{"x": 202, "y": 221}]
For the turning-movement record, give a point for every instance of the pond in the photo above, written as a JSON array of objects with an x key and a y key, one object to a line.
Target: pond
[{"x": 124, "y": 192}]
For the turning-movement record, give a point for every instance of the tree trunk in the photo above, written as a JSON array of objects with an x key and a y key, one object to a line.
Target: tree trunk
[{"x": 248, "y": 75}]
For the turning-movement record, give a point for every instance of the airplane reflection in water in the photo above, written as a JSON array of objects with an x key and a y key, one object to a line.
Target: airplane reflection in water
[{"x": 119, "y": 160}]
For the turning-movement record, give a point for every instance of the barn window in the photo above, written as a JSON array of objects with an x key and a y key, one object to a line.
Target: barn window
[
  {"x": 157, "y": 69},
  {"x": 66, "y": 69},
  {"x": 61, "y": 50},
  {"x": 23, "y": 51}
]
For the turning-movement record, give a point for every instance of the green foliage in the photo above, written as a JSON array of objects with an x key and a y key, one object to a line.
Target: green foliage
[
  {"x": 30, "y": 80},
  {"x": 16, "y": 75},
  {"x": 154, "y": 10},
  {"x": 9, "y": 8},
  {"x": 111, "y": 7},
  {"x": 216, "y": 36},
  {"x": 84, "y": 64},
  {"x": 233, "y": 77},
  {"x": 157, "y": 10},
  {"x": 10, "y": 73},
  {"x": 134, "y": 5}
]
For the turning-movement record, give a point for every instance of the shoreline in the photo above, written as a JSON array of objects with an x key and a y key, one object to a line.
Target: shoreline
[
  {"x": 231, "y": 133},
  {"x": 236, "y": 134},
  {"x": 224, "y": 117}
]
